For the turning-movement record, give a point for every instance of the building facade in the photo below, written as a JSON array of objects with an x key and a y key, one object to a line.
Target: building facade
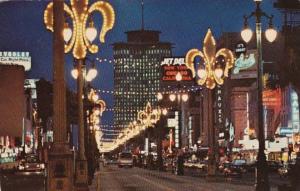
[{"x": 137, "y": 73}]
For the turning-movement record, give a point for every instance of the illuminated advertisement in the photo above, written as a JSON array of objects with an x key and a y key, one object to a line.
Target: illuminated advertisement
[
  {"x": 16, "y": 58},
  {"x": 272, "y": 97},
  {"x": 295, "y": 112},
  {"x": 171, "y": 66},
  {"x": 245, "y": 66}
]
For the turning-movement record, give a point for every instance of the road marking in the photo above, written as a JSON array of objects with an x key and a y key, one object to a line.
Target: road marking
[{"x": 154, "y": 183}]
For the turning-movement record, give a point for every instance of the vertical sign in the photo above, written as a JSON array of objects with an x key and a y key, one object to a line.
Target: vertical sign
[
  {"x": 177, "y": 129},
  {"x": 219, "y": 106},
  {"x": 190, "y": 132}
]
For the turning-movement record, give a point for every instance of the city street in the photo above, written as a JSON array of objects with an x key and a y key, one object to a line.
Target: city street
[
  {"x": 22, "y": 182},
  {"x": 131, "y": 179}
]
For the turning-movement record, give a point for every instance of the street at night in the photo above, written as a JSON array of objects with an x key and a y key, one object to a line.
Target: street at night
[{"x": 150, "y": 95}]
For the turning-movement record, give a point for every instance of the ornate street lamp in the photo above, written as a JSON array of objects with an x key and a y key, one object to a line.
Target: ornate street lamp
[
  {"x": 262, "y": 180},
  {"x": 79, "y": 38},
  {"x": 211, "y": 70},
  {"x": 149, "y": 118}
]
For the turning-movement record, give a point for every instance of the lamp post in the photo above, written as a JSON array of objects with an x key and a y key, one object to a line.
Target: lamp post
[
  {"x": 93, "y": 118},
  {"x": 211, "y": 70},
  {"x": 262, "y": 181},
  {"x": 148, "y": 118},
  {"x": 80, "y": 39}
]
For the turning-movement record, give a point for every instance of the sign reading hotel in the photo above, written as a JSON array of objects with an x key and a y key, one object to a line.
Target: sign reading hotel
[
  {"x": 171, "y": 66},
  {"x": 16, "y": 58}
]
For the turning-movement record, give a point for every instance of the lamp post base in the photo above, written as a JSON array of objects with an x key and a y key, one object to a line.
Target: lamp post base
[
  {"x": 60, "y": 168},
  {"x": 81, "y": 181}
]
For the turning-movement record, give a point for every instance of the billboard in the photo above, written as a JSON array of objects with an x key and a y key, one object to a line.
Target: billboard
[
  {"x": 171, "y": 66},
  {"x": 16, "y": 58}
]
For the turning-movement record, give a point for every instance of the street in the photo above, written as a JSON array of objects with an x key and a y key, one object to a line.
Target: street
[
  {"x": 133, "y": 179},
  {"x": 22, "y": 182},
  {"x": 112, "y": 178}
]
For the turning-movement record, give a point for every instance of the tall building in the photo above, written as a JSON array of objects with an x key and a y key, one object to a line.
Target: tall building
[{"x": 137, "y": 73}]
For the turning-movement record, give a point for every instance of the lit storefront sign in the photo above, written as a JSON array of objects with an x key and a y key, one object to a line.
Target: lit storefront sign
[
  {"x": 295, "y": 112},
  {"x": 219, "y": 105},
  {"x": 245, "y": 65},
  {"x": 16, "y": 58},
  {"x": 177, "y": 130},
  {"x": 171, "y": 66},
  {"x": 272, "y": 98}
]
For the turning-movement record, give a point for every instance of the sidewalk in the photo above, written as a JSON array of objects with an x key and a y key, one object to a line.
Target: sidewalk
[{"x": 95, "y": 186}]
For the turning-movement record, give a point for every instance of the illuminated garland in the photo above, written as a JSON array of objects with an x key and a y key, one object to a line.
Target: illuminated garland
[{"x": 191, "y": 89}]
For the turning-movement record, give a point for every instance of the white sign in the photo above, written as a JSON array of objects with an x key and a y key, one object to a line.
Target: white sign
[
  {"x": 173, "y": 61},
  {"x": 16, "y": 58}
]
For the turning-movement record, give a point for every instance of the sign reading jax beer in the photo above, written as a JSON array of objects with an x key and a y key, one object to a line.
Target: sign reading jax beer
[{"x": 171, "y": 66}]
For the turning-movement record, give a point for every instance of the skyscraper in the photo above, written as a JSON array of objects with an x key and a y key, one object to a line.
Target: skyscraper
[{"x": 137, "y": 73}]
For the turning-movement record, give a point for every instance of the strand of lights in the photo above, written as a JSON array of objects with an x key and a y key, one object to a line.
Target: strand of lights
[
  {"x": 125, "y": 110},
  {"x": 191, "y": 89}
]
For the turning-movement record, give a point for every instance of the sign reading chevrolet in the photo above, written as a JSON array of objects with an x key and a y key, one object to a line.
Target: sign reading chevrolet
[{"x": 16, "y": 58}]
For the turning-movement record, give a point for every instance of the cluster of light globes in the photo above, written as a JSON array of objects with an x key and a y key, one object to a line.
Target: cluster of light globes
[
  {"x": 270, "y": 33},
  {"x": 172, "y": 96},
  {"x": 94, "y": 117}
]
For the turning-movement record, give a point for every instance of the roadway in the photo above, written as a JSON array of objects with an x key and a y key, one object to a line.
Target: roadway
[{"x": 112, "y": 178}]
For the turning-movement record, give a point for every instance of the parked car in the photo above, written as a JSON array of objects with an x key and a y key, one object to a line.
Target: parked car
[
  {"x": 125, "y": 159},
  {"x": 283, "y": 171},
  {"x": 240, "y": 164},
  {"x": 274, "y": 166},
  {"x": 31, "y": 163},
  {"x": 232, "y": 170}
]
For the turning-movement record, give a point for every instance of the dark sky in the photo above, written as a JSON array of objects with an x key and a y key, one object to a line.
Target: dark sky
[{"x": 182, "y": 22}]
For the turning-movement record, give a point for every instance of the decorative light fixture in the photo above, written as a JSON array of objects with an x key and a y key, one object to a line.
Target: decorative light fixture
[
  {"x": 148, "y": 116},
  {"x": 80, "y": 39},
  {"x": 212, "y": 73}
]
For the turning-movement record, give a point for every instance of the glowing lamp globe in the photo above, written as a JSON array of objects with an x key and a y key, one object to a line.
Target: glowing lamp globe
[
  {"x": 172, "y": 97},
  {"x": 95, "y": 97},
  {"x": 74, "y": 73},
  {"x": 164, "y": 111},
  {"x": 178, "y": 76},
  {"x": 246, "y": 34},
  {"x": 92, "y": 73},
  {"x": 271, "y": 34},
  {"x": 67, "y": 33},
  {"x": 91, "y": 32},
  {"x": 218, "y": 72},
  {"x": 185, "y": 97},
  {"x": 201, "y": 73},
  {"x": 159, "y": 96}
]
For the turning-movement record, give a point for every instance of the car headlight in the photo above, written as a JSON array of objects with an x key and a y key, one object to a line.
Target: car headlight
[
  {"x": 42, "y": 166},
  {"x": 21, "y": 167},
  {"x": 27, "y": 166}
]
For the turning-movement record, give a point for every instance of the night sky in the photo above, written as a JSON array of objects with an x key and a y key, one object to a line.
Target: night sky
[{"x": 182, "y": 22}]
